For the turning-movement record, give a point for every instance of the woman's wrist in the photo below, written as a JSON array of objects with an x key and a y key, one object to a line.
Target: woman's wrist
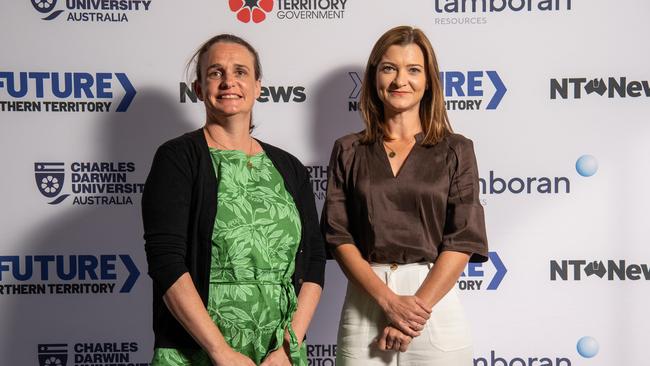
[{"x": 385, "y": 298}]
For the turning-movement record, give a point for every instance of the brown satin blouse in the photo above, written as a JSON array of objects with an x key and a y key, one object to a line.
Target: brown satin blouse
[{"x": 432, "y": 204}]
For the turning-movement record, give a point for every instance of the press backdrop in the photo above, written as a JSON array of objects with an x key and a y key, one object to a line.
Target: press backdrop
[{"x": 554, "y": 94}]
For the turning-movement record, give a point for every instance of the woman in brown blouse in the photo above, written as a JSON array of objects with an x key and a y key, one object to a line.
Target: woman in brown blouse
[{"x": 402, "y": 215}]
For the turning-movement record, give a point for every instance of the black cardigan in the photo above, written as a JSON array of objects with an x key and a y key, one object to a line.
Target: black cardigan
[{"x": 179, "y": 206}]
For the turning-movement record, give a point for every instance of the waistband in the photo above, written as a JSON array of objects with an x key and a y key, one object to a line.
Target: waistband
[
  {"x": 397, "y": 267},
  {"x": 249, "y": 276}
]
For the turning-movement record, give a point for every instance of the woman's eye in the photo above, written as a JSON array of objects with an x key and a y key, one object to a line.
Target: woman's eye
[
  {"x": 387, "y": 68},
  {"x": 215, "y": 74},
  {"x": 414, "y": 70}
]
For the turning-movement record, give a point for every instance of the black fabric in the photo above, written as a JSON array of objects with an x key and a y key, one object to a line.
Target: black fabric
[{"x": 179, "y": 206}]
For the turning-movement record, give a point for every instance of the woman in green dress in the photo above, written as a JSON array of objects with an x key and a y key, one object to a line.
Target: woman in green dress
[{"x": 231, "y": 230}]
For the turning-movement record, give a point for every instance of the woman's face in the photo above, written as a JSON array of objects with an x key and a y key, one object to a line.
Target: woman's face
[
  {"x": 401, "y": 78},
  {"x": 228, "y": 86}
]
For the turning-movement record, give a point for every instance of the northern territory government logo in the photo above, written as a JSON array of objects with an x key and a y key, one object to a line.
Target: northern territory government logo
[
  {"x": 464, "y": 90},
  {"x": 92, "y": 183},
  {"x": 257, "y": 11},
  {"x": 38, "y": 91},
  {"x": 608, "y": 87},
  {"x": 91, "y": 10},
  {"x": 463, "y": 12}
]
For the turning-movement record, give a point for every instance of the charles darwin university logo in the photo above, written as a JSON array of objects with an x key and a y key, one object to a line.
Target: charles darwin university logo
[
  {"x": 92, "y": 10},
  {"x": 46, "y": 6},
  {"x": 248, "y": 10},
  {"x": 52, "y": 354},
  {"x": 49, "y": 180},
  {"x": 91, "y": 183}
]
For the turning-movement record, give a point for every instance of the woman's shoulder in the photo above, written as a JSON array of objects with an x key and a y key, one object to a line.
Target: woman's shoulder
[
  {"x": 458, "y": 143},
  {"x": 349, "y": 141},
  {"x": 281, "y": 156}
]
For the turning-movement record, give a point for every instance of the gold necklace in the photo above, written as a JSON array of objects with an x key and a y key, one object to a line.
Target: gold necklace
[
  {"x": 392, "y": 152},
  {"x": 249, "y": 163}
]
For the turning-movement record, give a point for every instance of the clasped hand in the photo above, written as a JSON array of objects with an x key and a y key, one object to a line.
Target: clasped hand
[{"x": 408, "y": 314}]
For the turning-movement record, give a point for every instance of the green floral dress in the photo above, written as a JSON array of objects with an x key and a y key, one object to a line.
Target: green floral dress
[{"x": 254, "y": 242}]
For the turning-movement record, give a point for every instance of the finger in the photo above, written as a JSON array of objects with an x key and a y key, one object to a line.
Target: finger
[
  {"x": 381, "y": 343},
  {"x": 403, "y": 347},
  {"x": 420, "y": 321},
  {"x": 419, "y": 313},
  {"x": 416, "y": 326},
  {"x": 422, "y": 305},
  {"x": 396, "y": 345},
  {"x": 404, "y": 328}
]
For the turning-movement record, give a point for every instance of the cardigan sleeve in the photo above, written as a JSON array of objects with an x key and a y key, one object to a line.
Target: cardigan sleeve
[
  {"x": 165, "y": 215},
  {"x": 315, "y": 263},
  {"x": 464, "y": 228}
]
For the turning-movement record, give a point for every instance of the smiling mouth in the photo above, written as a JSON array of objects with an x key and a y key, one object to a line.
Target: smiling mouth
[{"x": 228, "y": 96}]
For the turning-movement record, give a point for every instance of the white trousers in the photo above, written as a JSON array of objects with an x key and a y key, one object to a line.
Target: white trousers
[{"x": 445, "y": 340}]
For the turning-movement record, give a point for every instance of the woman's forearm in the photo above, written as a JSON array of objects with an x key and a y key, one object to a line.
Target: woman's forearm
[
  {"x": 442, "y": 276},
  {"x": 307, "y": 302},
  {"x": 358, "y": 270},
  {"x": 185, "y": 304}
]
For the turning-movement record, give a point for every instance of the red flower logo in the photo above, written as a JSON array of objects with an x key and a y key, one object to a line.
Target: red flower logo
[{"x": 251, "y": 9}]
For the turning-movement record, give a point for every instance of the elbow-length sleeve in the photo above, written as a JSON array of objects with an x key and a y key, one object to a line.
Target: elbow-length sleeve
[
  {"x": 165, "y": 215},
  {"x": 464, "y": 229},
  {"x": 335, "y": 224}
]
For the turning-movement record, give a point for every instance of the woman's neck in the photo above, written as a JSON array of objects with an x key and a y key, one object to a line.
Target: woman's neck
[
  {"x": 228, "y": 134},
  {"x": 403, "y": 125}
]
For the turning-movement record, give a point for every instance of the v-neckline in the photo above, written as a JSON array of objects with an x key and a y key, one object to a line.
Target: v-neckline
[{"x": 386, "y": 160}]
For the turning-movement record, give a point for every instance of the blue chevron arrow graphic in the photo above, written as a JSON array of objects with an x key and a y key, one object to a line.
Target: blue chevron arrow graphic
[
  {"x": 500, "y": 89},
  {"x": 134, "y": 273},
  {"x": 129, "y": 92},
  {"x": 500, "y": 271}
]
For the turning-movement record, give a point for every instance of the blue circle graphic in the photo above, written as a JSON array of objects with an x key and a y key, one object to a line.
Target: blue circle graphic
[
  {"x": 587, "y": 165},
  {"x": 587, "y": 347}
]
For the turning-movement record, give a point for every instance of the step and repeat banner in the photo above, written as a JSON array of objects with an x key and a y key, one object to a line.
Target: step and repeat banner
[{"x": 554, "y": 94}]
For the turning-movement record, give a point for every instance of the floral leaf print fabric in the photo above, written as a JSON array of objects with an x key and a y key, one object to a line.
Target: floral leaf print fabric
[{"x": 254, "y": 242}]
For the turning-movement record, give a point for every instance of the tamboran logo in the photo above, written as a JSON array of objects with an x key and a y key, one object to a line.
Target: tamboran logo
[
  {"x": 473, "y": 8},
  {"x": 463, "y": 90},
  {"x": 610, "y": 270},
  {"x": 318, "y": 175},
  {"x": 92, "y": 10},
  {"x": 93, "y": 183},
  {"x": 586, "y": 166},
  {"x": 53, "y": 354},
  {"x": 64, "y": 89},
  {"x": 494, "y": 360},
  {"x": 66, "y": 274},
  {"x": 257, "y": 10},
  {"x": 117, "y": 353},
  {"x": 474, "y": 276},
  {"x": 524, "y": 185},
  {"x": 611, "y": 87},
  {"x": 275, "y": 94}
]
